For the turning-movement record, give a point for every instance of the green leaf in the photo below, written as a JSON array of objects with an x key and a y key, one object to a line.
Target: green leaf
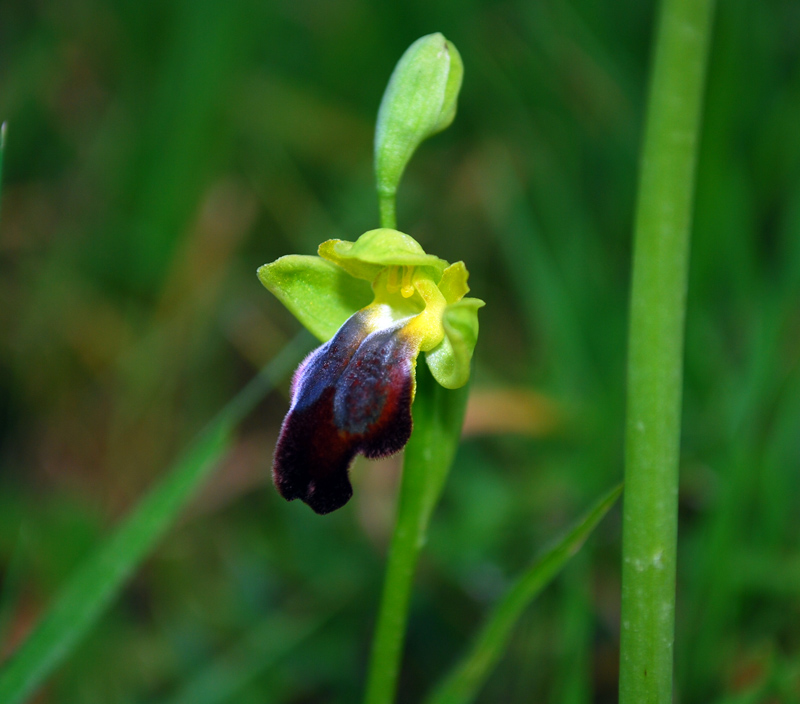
[
  {"x": 449, "y": 361},
  {"x": 419, "y": 101},
  {"x": 223, "y": 678},
  {"x": 466, "y": 679},
  {"x": 375, "y": 250},
  {"x": 100, "y": 578},
  {"x": 318, "y": 293}
]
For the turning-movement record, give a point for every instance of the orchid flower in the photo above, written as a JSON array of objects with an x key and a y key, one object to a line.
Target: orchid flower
[{"x": 353, "y": 394}]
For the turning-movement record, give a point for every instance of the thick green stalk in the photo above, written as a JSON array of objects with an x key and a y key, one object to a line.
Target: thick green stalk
[
  {"x": 438, "y": 416},
  {"x": 655, "y": 351}
]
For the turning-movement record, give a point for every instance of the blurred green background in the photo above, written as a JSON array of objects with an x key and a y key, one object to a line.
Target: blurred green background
[{"x": 158, "y": 152}]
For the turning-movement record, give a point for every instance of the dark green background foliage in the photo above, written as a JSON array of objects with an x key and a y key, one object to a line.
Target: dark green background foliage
[{"x": 159, "y": 152}]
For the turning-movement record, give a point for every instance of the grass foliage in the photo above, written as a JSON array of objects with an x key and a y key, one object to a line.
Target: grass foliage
[{"x": 157, "y": 153}]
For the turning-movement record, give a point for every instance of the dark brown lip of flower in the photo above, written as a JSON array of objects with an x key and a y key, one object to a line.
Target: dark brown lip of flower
[{"x": 350, "y": 396}]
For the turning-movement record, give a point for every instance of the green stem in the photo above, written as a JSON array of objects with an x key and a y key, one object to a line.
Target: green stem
[
  {"x": 438, "y": 416},
  {"x": 387, "y": 202},
  {"x": 655, "y": 350}
]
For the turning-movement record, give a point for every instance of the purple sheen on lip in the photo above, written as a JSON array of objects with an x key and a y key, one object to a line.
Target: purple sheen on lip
[{"x": 351, "y": 395}]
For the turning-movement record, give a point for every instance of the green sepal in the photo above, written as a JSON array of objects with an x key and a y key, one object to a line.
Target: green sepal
[
  {"x": 419, "y": 101},
  {"x": 449, "y": 361},
  {"x": 453, "y": 284},
  {"x": 375, "y": 250},
  {"x": 321, "y": 295}
]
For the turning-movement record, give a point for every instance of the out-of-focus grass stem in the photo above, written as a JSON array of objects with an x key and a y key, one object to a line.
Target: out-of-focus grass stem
[
  {"x": 655, "y": 350},
  {"x": 2, "y": 152}
]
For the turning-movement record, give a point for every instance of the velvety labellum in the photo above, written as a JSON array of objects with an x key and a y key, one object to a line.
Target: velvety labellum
[{"x": 351, "y": 395}]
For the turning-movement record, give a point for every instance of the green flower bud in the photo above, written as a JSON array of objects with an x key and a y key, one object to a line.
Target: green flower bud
[{"x": 419, "y": 101}]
